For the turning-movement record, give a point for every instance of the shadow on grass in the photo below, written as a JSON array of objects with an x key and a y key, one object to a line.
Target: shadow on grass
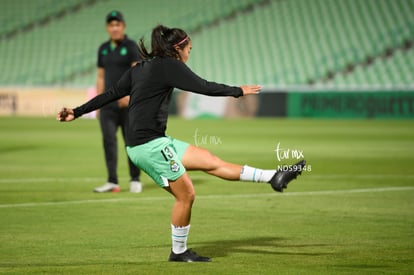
[
  {"x": 215, "y": 249},
  {"x": 262, "y": 246},
  {"x": 18, "y": 148}
]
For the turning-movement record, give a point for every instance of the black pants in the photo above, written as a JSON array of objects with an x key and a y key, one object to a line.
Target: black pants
[{"x": 110, "y": 120}]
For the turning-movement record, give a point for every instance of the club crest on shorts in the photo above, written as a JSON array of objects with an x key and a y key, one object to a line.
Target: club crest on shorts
[{"x": 174, "y": 166}]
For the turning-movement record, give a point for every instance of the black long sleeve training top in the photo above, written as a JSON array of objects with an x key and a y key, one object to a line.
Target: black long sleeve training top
[{"x": 150, "y": 85}]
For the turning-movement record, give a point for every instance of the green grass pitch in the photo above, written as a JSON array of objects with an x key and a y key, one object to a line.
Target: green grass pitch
[{"x": 352, "y": 213}]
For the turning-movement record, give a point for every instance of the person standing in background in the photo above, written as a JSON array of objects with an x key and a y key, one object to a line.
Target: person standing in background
[{"x": 115, "y": 57}]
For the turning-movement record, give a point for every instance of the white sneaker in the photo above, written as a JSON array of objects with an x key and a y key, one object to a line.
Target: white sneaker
[
  {"x": 107, "y": 187},
  {"x": 135, "y": 187}
]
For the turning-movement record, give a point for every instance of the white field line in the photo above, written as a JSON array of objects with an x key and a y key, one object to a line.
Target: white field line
[
  {"x": 35, "y": 180},
  {"x": 310, "y": 193},
  {"x": 308, "y": 175}
]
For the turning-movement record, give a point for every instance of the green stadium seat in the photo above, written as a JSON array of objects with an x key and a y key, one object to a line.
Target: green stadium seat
[{"x": 234, "y": 41}]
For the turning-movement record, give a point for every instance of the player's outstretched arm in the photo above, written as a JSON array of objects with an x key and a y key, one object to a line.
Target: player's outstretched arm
[
  {"x": 65, "y": 115},
  {"x": 251, "y": 89}
]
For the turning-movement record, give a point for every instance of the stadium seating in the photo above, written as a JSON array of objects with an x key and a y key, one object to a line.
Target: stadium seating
[
  {"x": 384, "y": 72},
  {"x": 292, "y": 42},
  {"x": 25, "y": 13},
  {"x": 64, "y": 51},
  {"x": 271, "y": 42}
]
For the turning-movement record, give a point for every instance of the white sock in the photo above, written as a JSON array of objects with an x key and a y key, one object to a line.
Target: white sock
[
  {"x": 179, "y": 238},
  {"x": 256, "y": 175}
]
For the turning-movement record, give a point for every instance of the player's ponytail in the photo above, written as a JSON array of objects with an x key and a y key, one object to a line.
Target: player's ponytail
[{"x": 164, "y": 43}]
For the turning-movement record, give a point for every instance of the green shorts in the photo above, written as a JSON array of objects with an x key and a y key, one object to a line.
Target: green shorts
[{"x": 160, "y": 159}]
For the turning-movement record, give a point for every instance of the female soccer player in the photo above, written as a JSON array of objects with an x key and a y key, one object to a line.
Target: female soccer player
[{"x": 165, "y": 159}]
